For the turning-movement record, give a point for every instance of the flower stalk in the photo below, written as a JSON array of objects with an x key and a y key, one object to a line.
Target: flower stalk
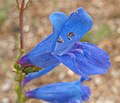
[
  {"x": 21, "y": 26},
  {"x": 18, "y": 68}
]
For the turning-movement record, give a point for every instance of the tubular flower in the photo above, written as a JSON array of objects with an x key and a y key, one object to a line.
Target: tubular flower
[
  {"x": 66, "y": 92},
  {"x": 63, "y": 46}
]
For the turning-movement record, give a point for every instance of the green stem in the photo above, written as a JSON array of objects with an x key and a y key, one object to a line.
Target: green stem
[
  {"x": 20, "y": 87},
  {"x": 21, "y": 48},
  {"x": 19, "y": 73}
]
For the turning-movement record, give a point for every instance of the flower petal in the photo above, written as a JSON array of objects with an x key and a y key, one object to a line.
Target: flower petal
[
  {"x": 43, "y": 60},
  {"x": 40, "y": 73},
  {"x": 70, "y": 61},
  {"x": 67, "y": 92},
  {"x": 92, "y": 60},
  {"x": 78, "y": 23},
  {"x": 86, "y": 59},
  {"x": 35, "y": 56},
  {"x": 58, "y": 19},
  {"x": 38, "y": 58},
  {"x": 86, "y": 93}
]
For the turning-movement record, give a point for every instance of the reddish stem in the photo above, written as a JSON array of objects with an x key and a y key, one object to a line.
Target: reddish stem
[{"x": 21, "y": 26}]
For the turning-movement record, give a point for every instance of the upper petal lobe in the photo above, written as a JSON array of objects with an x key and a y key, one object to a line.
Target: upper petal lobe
[{"x": 78, "y": 23}]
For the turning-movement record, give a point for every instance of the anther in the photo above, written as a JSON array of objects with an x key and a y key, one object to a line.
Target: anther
[
  {"x": 69, "y": 35},
  {"x": 60, "y": 40}
]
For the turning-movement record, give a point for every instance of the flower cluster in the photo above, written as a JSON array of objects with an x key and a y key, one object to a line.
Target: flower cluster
[{"x": 63, "y": 46}]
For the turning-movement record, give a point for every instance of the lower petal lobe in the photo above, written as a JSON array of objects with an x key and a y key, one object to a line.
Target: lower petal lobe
[{"x": 86, "y": 59}]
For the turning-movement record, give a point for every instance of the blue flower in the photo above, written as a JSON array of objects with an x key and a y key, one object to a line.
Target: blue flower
[
  {"x": 63, "y": 46},
  {"x": 66, "y": 92}
]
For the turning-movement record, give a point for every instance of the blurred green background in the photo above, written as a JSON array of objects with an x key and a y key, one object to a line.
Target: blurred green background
[{"x": 105, "y": 33}]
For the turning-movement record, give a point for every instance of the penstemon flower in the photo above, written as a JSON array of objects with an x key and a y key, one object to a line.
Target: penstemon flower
[
  {"x": 66, "y": 92},
  {"x": 63, "y": 46}
]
